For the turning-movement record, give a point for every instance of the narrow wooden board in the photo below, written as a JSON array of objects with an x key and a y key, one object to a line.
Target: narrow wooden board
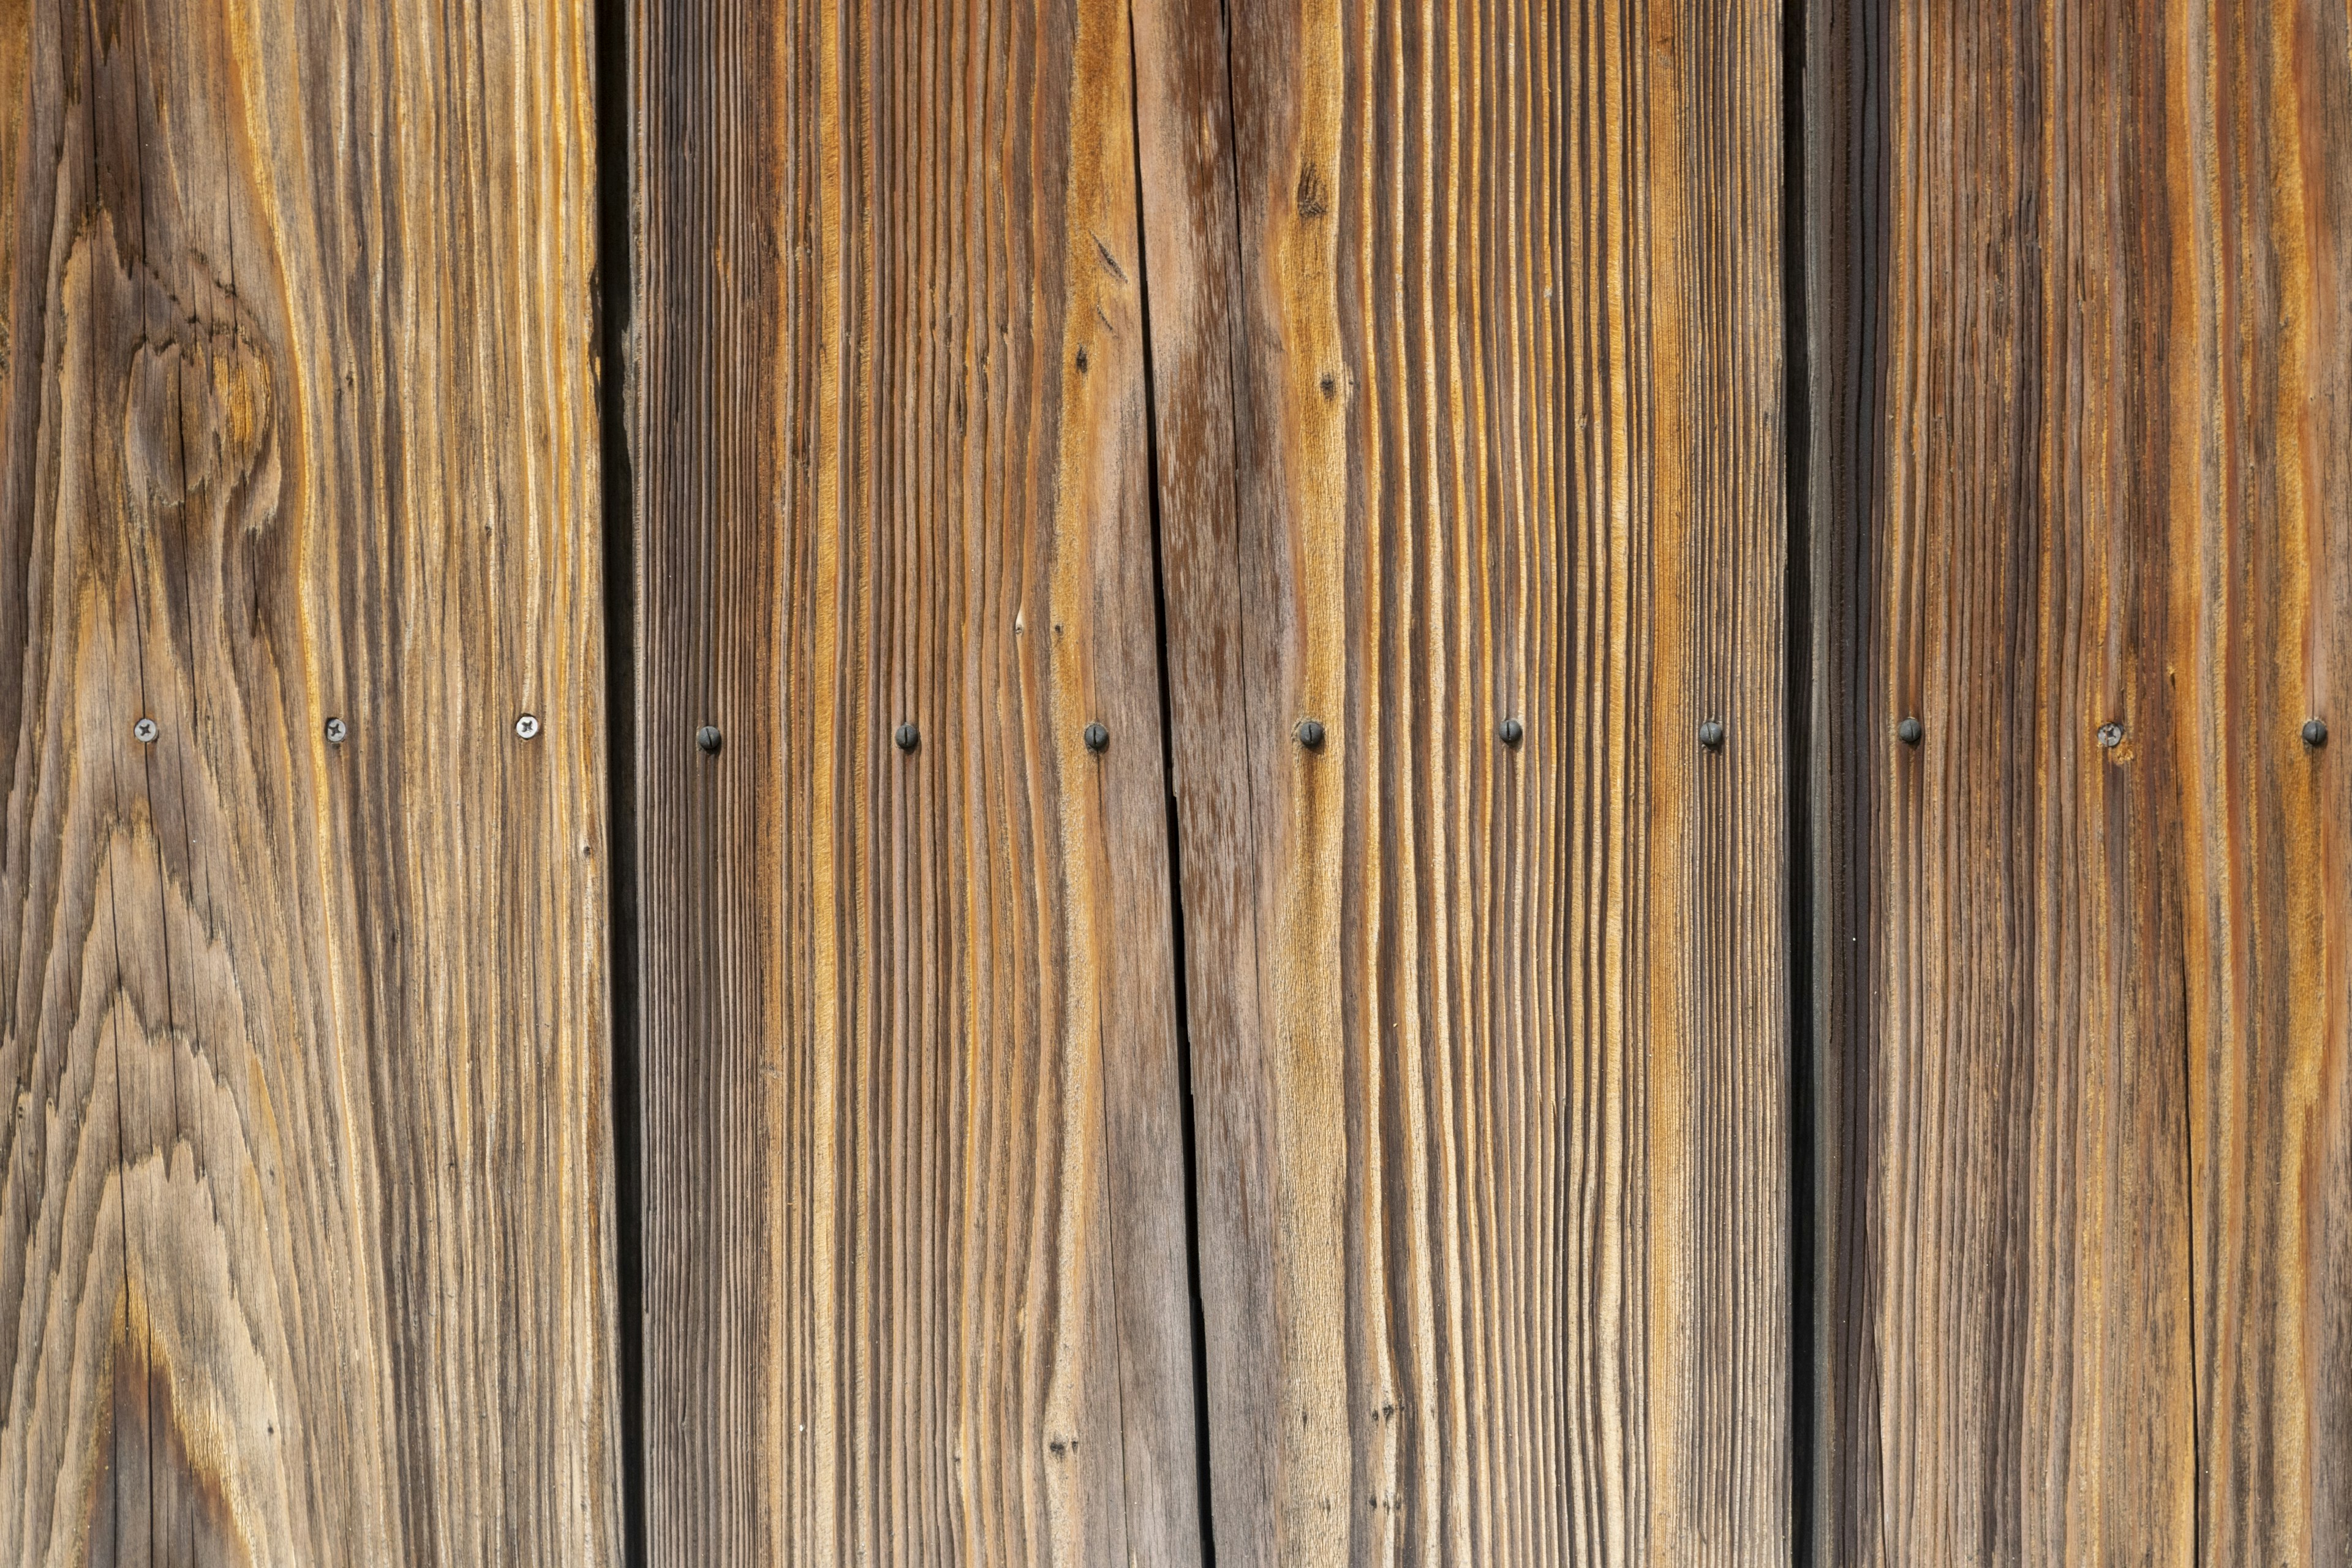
[
  {"x": 1467, "y": 371},
  {"x": 2083, "y": 1166},
  {"x": 305, "y": 1210},
  {"x": 914, "y": 1255}
]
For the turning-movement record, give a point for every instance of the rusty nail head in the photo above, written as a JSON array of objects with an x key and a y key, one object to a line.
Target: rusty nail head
[
  {"x": 2111, "y": 735},
  {"x": 1710, "y": 734},
  {"x": 144, "y": 730},
  {"x": 1097, "y": 738},
  {"x": 337, "y": 731},
  {"x": 527, "y": 727},
  {"x": 1310, "y": 733},
  {"x": 708, "y": 738},
  {"x": 905, "y": 737},
  {"x": 1910, "y": 732},
  {"x": 1512, "y": 731},
  {"x": 2315, "y": 731}
]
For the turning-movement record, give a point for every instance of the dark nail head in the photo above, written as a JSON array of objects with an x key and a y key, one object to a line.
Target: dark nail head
[
  {"x": 1710, "y": 734},
  {"x": 1310, "y": 733},
  {"x": 1097, "y": 738},
  {"x": 2315, "y": 731},
  {"x": 1910, "y": 732},
  {"x": 1511, "y": 731},
  {"x": 337, "y": 731},
  {"x": 708, "y": 738},
  {"x": 905, "y": 737}
]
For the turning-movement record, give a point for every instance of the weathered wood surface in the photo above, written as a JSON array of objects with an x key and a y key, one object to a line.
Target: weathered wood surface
[
  {"x": 304, "y": 1207},
  {"x": 2083, "y": 1179},
  {"x": 1467, "y": 370},
  {"x": 915, "y": 1279}
]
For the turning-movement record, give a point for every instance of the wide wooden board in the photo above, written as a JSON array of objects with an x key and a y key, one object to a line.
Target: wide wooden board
[
  {"x": 1468, "y": 374},
  {"x": 914, "y": 1257},
  {"x": 305, "y": 1211},
  {"x": 2082, "y": 1181}
]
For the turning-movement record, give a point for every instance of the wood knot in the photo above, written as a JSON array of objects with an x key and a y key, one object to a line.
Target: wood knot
[
  {"x": 196, "y": 415},
  {"x": 1314, "y": 200}
]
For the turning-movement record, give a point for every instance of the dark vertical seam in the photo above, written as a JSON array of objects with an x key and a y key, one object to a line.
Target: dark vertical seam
[
  {"x": 1194, "y": 1312},
  {"x": 616, "y": 389},
  {"x": 1797, "y": 715}
]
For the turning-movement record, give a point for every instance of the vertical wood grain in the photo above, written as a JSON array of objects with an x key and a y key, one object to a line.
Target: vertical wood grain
[
  {"x": 915, "y": 1252},
  {"x": 2079, "y": 401},
  {"x": 2258, "y": 121},
  {"x": 305, "y": 1214},
  {"x": 1466, "y": 360}
]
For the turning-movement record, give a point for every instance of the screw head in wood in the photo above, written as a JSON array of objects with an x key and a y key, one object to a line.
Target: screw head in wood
[
  {"x": 1710, "y": 734},
  {"x": 2111, "y": 735},
  {"x": 1910, "y": 732},
  {"x": 1310, "y": 733},
  {"x": 2314, "y": 732},
  {"x": 1511, "y": 731},
  {"x": 1097, "y": 738},
  {"x": 527, "y": 727},
  {"x": 905, "y": 737},
  {"x": 337, "y": 731},
  {"x": 708, "y": 738},
  {"x": 145, "y": 732}
]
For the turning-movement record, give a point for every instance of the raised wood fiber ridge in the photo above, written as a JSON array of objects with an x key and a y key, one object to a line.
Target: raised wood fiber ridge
[
  {"x": 915, "y": 1228},
  {"x": 2082, "y": 403},
  {"x": 305, "y": 1212},
  {"x": 1467, "y": 367}
]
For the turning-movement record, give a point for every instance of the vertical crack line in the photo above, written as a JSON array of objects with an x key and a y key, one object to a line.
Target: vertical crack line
[
  {"x": 617, "y": 391},
  {"x": 1175, "y": 849},
  {"x": 1797, "y": 715}
]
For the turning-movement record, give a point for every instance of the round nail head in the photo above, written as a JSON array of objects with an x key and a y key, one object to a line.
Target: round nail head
[
  {"x": 2315, "y": 731},
  {"x": 337, "y": 731},
  {"x": 1710, "y": 734},
  {"x": 527, "y": 727},
  {"x": 1310, "y": 733},
  {"x": 708, "y": 738},
  {"x": 144, "y": 730},
  {"x": 2111, "y": 735},
  {"x": 1512, "y": 731},
  {"x": 1910, "y": 732},
  {"x": 1097, "y": 738},
  {"x": 905, "y": 737}
]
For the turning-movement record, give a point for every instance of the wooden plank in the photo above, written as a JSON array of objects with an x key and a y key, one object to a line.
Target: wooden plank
[
  {"x": 2079, "y": 392},
  {"x": 2006, "y": 1222},
  {"x": 1490, "y": 1044},
  {"x": 2258, "y": 139},
  {"x": 915, "y": 1254},
  {"x": 305, "y": 1208}
]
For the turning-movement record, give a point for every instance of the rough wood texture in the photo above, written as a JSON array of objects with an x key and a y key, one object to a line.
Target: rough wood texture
[
  {"x": 915, "y": 1280},
  {"x": 2084, "y": 1194},
  {"x": 304, "y": 1207},
  {"x": 1467, "y": 372}
]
